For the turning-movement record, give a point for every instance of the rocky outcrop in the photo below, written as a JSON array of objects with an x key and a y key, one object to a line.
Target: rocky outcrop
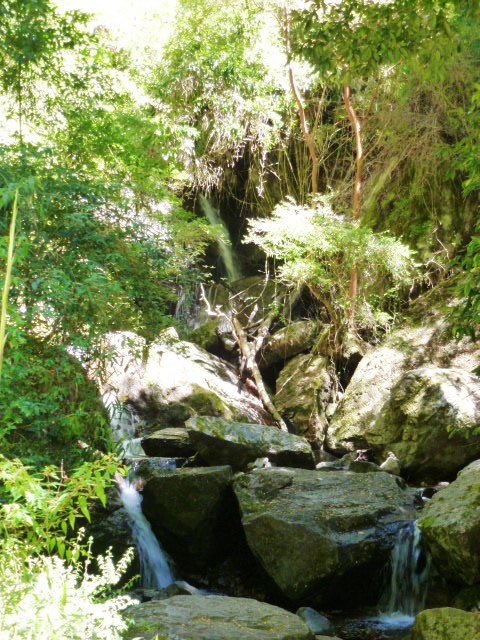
[
  {"x": 188, "y": 510},
  {"x": 320, "y": 535},
  {"x": 393, "y": 405},
  {"x": 450, "y": 524},
  {"x": 236, "y": 444},
  {"x": 174, "y": 380},
  {"x": 446, "y": 624},
  {"x": 305, "y": 387},
  {"x": 171, "y": 442},
  {"x": 296, "y": 337},
  {"x": 214, "y": 618}
]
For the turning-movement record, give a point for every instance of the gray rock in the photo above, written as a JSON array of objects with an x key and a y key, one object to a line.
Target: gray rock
[
  {"x": 186, "y": 509},
  {"x": 170, "y": 380},
  {"x": 321, "y": 535},
  {"x": 450, "y": 524},
  {"x": 214, "y": 618},
  {"x": 221, "y": 442},
  {"x": 296, "y": 337},
  {"x": 415, "y": 423},
  {"x": 171, "y": 442},
  {"x": 446, "y": 624},
  {"x": 391, "y": 464},
  {"x": 318, "y": 624},
  {"x": 304, "y": 390}
]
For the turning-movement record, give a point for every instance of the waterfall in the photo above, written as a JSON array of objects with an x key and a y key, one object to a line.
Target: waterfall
[
  {"x": 154, "y": 567},
  {"x": 224, "y": 243},
  {"x": 155, "y": 570},
  {"x": 410, "y": 567}
]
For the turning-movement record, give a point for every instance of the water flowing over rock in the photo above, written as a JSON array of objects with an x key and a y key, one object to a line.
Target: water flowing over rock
[
  {"x": 321, "y": 536},
  {"x": 451, "y": 527},
  {"x": 446, "y": 624},
  {"x": 189, "y": 510},
  {"x": 304, "y": 389},
  {"x": 214, "y": 618},
  {"x": 175, "y": 380},
  {"x": 415, "y": 421},
  {"x": 221, "y": 442}
]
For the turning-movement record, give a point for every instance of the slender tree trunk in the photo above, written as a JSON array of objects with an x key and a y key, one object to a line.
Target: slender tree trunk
[
  {"x": 308, "y": 136},
  {"x": 357, "y": 186}
]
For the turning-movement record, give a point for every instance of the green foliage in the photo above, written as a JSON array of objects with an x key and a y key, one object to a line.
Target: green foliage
[
  {"x": 318, "y": 248},
  {"x": 47, "y": 598}
]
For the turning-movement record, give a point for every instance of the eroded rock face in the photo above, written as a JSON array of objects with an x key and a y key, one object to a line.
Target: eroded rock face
[
  {"x": 415, "y": 420},
  {"x": 450, "y": 524},
  {"x": 304, "y": 389},
  {"x": 188, "y": 510},
  {"x": 321, "y": 536},
  {"x": 446, "y": 623},
  {"x": 221, "y": 442},
  {"x": 214, "y": 618},
  {"x": 171, "y": 380}
]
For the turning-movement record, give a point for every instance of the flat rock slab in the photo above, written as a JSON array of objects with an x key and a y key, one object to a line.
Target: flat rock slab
[
  {"x": 319, "y": 535},
  {"x": 446, "y": 624},
  {"x": 214, "y": 618},
  {"x": 170, "y": 442},
  {"x": 236, "y": 443}
]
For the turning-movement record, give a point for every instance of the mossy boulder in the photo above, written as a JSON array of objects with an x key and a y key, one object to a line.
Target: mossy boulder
[
  {"x": 322, "y": 536},
  {"x": 423, "y": 422},
  {"x": 446, "y": 624},
  {"x": 296, "y": 337},
  {"x": 222, "y": 442},
  {"x": 187, "y": 509},
  {"x": 305, "y": 387},
  {"x": 214, "y": 618},
  {"x": 450, "y": 524}
]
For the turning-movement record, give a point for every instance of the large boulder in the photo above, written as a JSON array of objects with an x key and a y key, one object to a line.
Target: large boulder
[
  {"x": 170, "y": 380},
  {"x": 213, "y": 618},
  {"x": 305, "y": 387},
  {"x": 446, "y": 624},
  {"x": 450, "y": 524},
  {"x": 417, "y": 419},
  {"x": 383, "y": 367},
  {"x": 171, "y": 442},
  {"x": 295, "y": 338},
  {"x": 187, "y": 509},
  {"x": 322, "y": 536},
  {"x": 221, "y": 442}
]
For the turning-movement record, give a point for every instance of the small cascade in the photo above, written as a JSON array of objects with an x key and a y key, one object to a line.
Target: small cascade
[
  {"x": 155, "y": 570},
  {"x": 224, "y": 244},
  {"x": 410, "y": 568},
  {"x": 154, "y": 565}
]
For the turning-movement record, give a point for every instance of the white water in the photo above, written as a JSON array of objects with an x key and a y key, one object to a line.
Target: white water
[
  {"x": 224, "y": 244},
  {"x": 410, "y": 568},
  {"x": 155, "y": 570}
]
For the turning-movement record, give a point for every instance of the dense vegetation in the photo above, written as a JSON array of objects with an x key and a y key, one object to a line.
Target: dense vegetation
[{"x": 346, "y": 133}]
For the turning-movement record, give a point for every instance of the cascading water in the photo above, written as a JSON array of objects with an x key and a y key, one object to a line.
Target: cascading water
[
  {"x": 224, "y": 244},
  {"x": 154, "y": 566},
  {"x": 410, "y": 572}
]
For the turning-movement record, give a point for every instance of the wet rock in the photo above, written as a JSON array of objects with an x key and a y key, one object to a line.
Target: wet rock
[
  {"x": 187, "y": 509},
  {"x": 305, "y": 387},
  {"x": 321, "y": 536},
  {"x": 446, "y": 624},
  {"x": 214, "y": 618},
  {"x": 318, "y": 624},
  {"x": 295, "y": 338},
  {"x": 170, "y": 380},
  {"x": 450, "y": 524},
  {"x": 417, "y": 420},
  {"x": 171, "y": 442},
  {"x": 468, "y": 599},
  {"x": 221, "y": 442}
]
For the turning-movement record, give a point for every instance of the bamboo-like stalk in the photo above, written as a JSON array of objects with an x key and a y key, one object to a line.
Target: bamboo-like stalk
[{"x": 6, "y": 284}]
